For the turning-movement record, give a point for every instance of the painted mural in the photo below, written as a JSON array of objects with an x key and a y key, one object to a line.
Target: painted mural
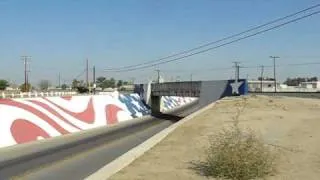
[
  {"x": 29, "y": 119},
  {"x": 169, "y": 102}
]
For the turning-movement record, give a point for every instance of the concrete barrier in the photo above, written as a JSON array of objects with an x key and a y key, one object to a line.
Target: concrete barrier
[
  {"x": 12, "y": 155},
  {"x": 30, "y": 119}
]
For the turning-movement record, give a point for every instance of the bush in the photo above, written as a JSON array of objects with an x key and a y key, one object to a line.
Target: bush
[
  {"x": 82, "y": 90},
  {"x": 237, "y": 154}
]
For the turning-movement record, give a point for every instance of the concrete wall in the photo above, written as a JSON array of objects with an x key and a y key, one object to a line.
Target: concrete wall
[
  {"x": 210, "y": 91},
  {"x": 29, "y": 119},
  {"x": 214, "y": 90},
  {"x": 169, "y": 102}
]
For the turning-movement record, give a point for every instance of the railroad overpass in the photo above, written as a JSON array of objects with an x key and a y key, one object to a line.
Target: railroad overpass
[{"x": 206, "y": 91}]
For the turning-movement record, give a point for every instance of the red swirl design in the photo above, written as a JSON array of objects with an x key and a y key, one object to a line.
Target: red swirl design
[{"x": 24, "y": 131}]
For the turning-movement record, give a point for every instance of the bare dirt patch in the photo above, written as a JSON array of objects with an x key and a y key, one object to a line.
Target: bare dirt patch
[{"x": 291, "y": 125}]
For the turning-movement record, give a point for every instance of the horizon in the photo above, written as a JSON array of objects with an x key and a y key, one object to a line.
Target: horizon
[{"x": 61, "y": 35}]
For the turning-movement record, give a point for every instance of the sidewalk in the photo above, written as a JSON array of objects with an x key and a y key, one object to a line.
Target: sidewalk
[{"x": 288, "y": 122}]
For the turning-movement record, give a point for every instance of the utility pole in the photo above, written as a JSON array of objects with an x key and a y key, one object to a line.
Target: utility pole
[
  {"x": 59, "y": 81},
  {"x": 25, "y": 61},
  {"x": 262, "y": 69},
  {"x": 191, "y": 77},
  {"x": 87, "y": 72},
  {"x": 158, "y": 75},
  {"x": 274, "y": 72},
  {"x": 237, "y": 67},
  {"x": 94, "y": 74},
  {"x": 94, "y": 79}
]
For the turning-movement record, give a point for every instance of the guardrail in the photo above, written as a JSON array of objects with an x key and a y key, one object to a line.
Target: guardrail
[
  {"x": 187, "y": 89},
  {"x": 285, "y": 90},
  {"x": 315, "y": 95}
]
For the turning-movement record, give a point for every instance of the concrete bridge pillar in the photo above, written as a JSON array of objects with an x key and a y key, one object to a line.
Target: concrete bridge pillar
[{"x": 155, "y": 104}]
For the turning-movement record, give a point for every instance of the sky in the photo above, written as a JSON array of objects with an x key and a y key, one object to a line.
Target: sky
[{"x": 60, "y": 35}]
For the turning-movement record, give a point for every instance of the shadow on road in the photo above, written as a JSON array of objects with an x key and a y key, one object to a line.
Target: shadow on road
[{"x": 170, "y": 117}]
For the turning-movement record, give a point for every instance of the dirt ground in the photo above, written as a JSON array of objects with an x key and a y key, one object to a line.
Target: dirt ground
[{"x": 292, "y": 124}]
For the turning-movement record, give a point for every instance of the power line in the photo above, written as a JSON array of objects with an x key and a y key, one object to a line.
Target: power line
[
  {"x": 303, "y": 64},
  {"x": 227, "y": 69},
  {"x": 196, "y": 70},
  {"x": 231, "y": 68},
  {"x": 224, "y": 44},
  {"x": 200, "y": 70},
  {"x": 80, "y": 74},
  {"x": 217, "y": 41},
  {"x": 281, "y": 65},
  {"x": 242, "y": 67}
]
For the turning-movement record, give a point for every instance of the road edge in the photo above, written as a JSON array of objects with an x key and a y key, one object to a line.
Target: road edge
[{"x": 126, "y": 159}]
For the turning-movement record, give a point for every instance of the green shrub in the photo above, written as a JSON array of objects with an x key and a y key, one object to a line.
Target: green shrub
[
  {"x": 82, "y": 89},
  {"x": 239, "y": 155}
]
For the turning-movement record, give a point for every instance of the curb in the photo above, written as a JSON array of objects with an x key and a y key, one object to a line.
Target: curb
[{"x": 124, "y": 160}]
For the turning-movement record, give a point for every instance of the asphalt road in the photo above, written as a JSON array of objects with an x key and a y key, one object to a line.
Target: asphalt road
[{"x": 82, "y": 160}]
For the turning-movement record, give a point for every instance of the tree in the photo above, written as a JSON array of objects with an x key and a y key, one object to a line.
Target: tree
[
  {"x": 64, "y": 86},
  {"x": 125, "y": 82},
  {"x": 3, "y": 84},
  {"x": 297, "y": 81},
  {"x": 75, "y": 84},
  {"x": 82, "y": 89},
  {"x": 44, "y": 84},
  {"x": 24, "y": 88},
  {"x": 119, "y": 83},
  {"x": 266, "y": 79},
  {"x": 312, "y": 79},
  {"x": 112, "y": 83},
  {"x": 101, "y": 82}
]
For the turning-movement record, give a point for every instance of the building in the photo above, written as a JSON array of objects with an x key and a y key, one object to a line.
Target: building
[
  {"x": 267, "y": 85},
  {"x": 310, "y": 85},
  {"x": 128, "y": 87}
]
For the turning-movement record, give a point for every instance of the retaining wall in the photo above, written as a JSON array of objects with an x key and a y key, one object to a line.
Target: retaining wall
[{"x": 29, "y": 119}]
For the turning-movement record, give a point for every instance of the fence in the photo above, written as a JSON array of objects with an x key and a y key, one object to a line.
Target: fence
[
  {"x": 35, "y": 94},
  {"x": 287, "y": 89}
]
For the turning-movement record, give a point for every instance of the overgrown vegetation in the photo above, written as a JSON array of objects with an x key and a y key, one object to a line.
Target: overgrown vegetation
[
  {"x": 3, "y": 84},
  {"x": 237, "y": 154},
  {"x": 25, "y": 88}
]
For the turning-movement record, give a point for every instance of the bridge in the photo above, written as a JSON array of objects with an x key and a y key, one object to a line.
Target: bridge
[
  {"x": 182, "y": 89},
  {"x": 206, "y": 91}
]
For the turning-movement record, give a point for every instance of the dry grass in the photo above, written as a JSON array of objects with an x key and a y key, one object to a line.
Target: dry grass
[
  {"x": 288, "y": 126},
  {"x": 237, "y": 154}
]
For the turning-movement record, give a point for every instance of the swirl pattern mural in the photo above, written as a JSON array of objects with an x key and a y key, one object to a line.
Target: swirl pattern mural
[
  {"x": 169, "y": 102},
  {"x": 30, "y": 119}
]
